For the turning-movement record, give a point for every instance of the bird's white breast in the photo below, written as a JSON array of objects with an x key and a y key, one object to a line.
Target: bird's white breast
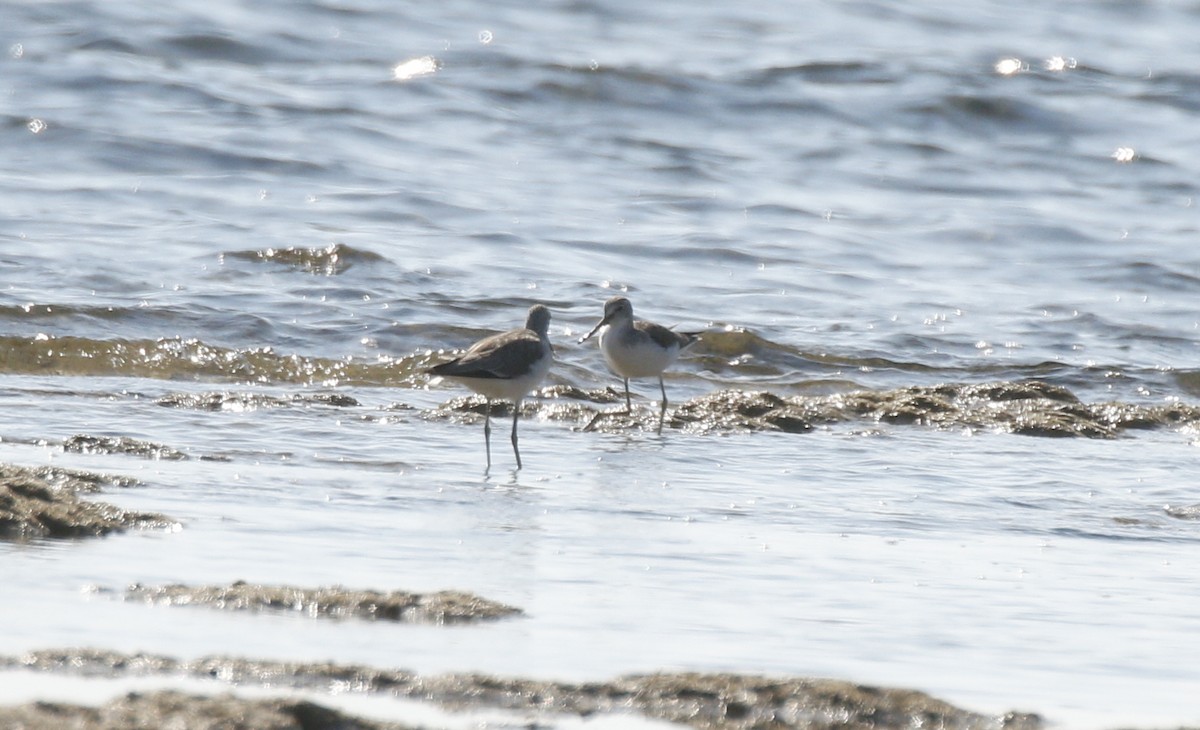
[{"x": 632, "y": 354}]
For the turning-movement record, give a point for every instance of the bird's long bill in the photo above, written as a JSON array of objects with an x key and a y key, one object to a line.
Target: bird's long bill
[{"x": 595, "y": 329}]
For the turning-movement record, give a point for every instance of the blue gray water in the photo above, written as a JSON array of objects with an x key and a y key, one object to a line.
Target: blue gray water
[{"x": 323, "y": 197}]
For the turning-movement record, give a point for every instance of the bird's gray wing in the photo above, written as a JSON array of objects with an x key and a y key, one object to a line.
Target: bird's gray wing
[{"x": 507, "y": 355}]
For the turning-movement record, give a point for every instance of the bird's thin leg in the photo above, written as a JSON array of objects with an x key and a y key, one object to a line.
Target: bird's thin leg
[
  {"x": 516, "y": 413},
  {"x": 628, "y": 405},
  {"x": 487, "y": 432},
  {"x": 662, "y": 413}
]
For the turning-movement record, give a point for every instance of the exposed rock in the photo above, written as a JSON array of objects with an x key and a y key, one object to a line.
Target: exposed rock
[
  {"x": 93, "y": 662},
  {"x": 220, "y": 401},
  {"x": 179, "y": 711},
  {"x": 1183, "y": 511},
  {"x": 336, "y": 258},
  {"x": 705, "y": 701},
  {"x": 84, "y": 444},
  {"x": 570, "y": 392},
  {"x": 443, "y": 607},
  {"x": 1029, "y": 408},
  {"x": 31, "y": 508},
  {"x": 71, "y": 480}
]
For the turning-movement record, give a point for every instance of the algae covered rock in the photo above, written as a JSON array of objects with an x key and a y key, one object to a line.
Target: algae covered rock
[
  {"x": 442, "y": 607},
  {"x": 32, "y": 507},
  {"x": 180, "y": 711}
]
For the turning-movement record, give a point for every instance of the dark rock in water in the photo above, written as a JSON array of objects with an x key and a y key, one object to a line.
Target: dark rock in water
[
  {"x": 726, "y": 701},
  {"x": 557, "y": 402},
  {"x": 1183, "y": 511},
  {"x": 71, "y": 480},
  {"x": 93, "y": 663},
  {"x": 444, "y": 607},
  {"x": 738, "y": 410},
  {"x": 171, "y": 709},
  {"x": 570, "y": 392},
  {"x": 252, "y": 401},
  {"x": 32, "y": 508},
  {"x": 739, "y": 701},
  {"x": 219, "y": 401},
  {"x": 337, "y": 400},
  {"x": 471, "y": 408},
  {"x": 334, "y": 259},
  {"x": 1029, "y": 408},
  {"x": 83, "y": 444}
]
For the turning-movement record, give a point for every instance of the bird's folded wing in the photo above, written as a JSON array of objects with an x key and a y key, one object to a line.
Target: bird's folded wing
[{"x": 510, "y": 358}]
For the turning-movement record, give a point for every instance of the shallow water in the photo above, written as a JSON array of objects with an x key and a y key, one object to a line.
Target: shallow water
[{"x": 248, "y": 200}]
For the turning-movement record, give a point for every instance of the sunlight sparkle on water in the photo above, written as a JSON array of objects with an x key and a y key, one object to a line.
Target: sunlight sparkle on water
[
  {"x": 1009, "y": 66},
  {"x": 415, "y": 67},
  {"x": 1058, "y": 63}
]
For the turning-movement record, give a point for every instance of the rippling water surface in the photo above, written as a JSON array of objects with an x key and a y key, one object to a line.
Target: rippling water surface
[{"x": 241, "y": 231}]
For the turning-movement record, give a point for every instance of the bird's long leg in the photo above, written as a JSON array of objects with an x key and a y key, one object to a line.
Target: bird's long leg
[
  {"x": 516, "y": 413},
  {"x": 487, "y": 432},
  {"x": 662, "y": 413},
  {"x": 628, "y": 405}
]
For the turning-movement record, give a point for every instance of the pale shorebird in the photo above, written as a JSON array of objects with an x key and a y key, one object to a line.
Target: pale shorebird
[
  {"x": 637, "y": 349},
  {"x": 507, "y": 367}
]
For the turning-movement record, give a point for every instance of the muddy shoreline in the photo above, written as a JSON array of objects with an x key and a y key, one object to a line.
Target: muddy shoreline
[{"x": 702, "y": 701}]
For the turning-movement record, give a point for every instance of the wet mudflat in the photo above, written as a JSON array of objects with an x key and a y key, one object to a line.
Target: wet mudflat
[{"x": 696, "y": 700}]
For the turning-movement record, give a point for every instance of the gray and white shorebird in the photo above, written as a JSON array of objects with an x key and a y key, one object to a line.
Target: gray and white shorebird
[
  {"x": 634, "y": 348},
  {"x": 507, "y": 367}
]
